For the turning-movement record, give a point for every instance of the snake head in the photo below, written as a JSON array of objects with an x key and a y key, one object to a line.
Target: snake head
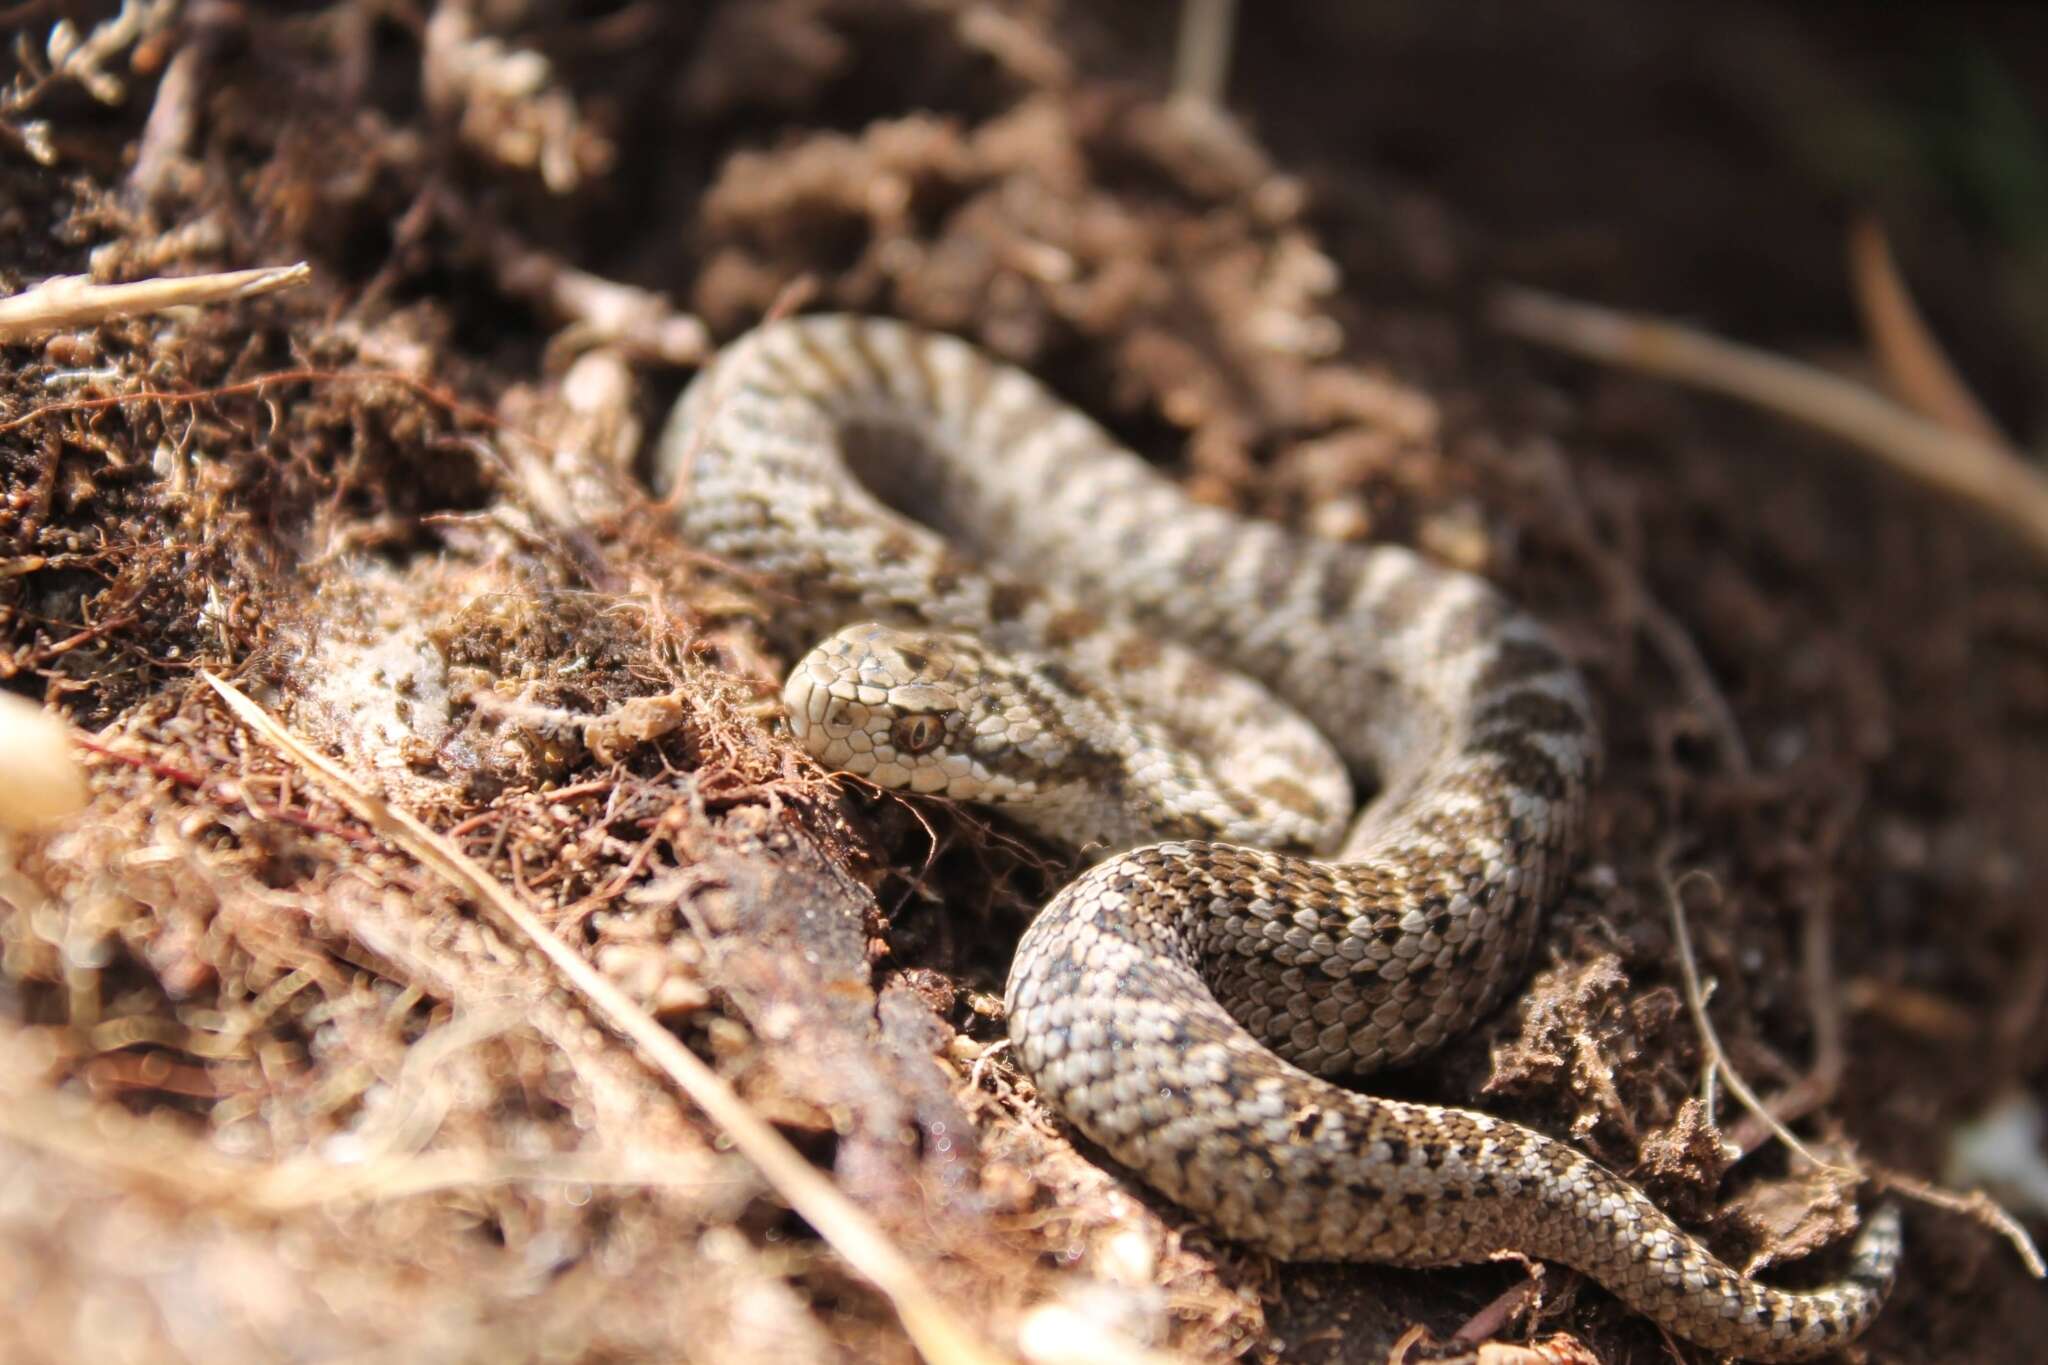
[{"x": 913, "y": 711}]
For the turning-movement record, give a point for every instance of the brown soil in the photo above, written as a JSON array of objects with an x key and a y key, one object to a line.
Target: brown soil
[{"x": 279, "y": 1090}]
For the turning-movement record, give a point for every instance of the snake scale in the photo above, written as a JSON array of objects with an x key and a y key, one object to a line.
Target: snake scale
[{"x": 1015, "y": 609}]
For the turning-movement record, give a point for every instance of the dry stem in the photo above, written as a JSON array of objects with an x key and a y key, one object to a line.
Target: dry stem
[
  {"x": 75, "y": 301},
  {"x": 1961, "y": 464}
]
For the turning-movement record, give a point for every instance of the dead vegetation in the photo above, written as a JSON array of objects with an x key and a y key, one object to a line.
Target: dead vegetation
[{"x": 528, "y": 1031}]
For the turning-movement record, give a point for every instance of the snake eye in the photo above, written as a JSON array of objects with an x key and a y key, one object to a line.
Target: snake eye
[{"x": 915, "y": 734}]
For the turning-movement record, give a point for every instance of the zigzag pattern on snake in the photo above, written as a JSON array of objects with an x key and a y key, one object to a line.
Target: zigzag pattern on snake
[{"x": 1063, "y": 631}]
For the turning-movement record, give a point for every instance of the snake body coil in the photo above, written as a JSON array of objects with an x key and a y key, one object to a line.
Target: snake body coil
[{"x": 1165, "y": 697}]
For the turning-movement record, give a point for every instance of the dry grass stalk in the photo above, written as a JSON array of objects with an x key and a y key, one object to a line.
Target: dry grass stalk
[
  {"x": 1201, "y": 67},
  {"x": 75, "y": 301},
  {"x": 1958, "y": 463},
  {"x": 1914, "y": 363}
]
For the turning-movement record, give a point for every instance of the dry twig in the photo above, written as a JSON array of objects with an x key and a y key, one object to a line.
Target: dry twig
[
  {"x": 1979, "y": 1206},
  {"x": 1201, "y": 67},
  {"x": 1696, "y": 1005},
  {"x": 1963, "y": 465},
  {"x": 75, "y": 301},
  {"x": 1912, "y": 360},
  {"x": 1518, "y": 1298}
]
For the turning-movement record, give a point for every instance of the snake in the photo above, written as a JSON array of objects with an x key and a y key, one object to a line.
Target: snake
[{"x": 999, "y": 603}]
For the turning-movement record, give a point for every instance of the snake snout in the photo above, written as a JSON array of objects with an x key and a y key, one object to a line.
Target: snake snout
[{"x": 884, "y": 704}]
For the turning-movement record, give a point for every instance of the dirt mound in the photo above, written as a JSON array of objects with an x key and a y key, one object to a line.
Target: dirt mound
[{"x": 281, "y": 1086}]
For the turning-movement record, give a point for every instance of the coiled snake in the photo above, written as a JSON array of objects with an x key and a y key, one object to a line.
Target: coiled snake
[{"x": 1092, "y": 669}]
